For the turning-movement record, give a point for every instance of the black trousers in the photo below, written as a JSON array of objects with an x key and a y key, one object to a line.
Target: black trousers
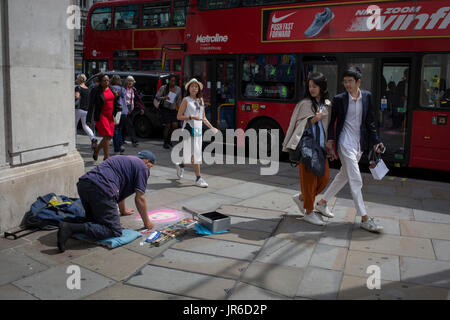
[{"x": 101, "y": 211}]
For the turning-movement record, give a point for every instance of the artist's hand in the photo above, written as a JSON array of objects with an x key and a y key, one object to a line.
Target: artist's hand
[{"x": 150, "y": 225}]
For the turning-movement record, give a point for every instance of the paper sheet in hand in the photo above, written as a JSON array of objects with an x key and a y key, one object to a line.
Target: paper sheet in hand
[{"x": 172, "y": 97}]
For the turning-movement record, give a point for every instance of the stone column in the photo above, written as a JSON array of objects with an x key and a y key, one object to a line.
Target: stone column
[{"x": 37, "y": 130}]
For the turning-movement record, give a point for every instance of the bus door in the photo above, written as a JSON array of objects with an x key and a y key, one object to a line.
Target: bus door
[
  {"x": 392, "y": 109},
  {"x": 218, "y": 76},
  {"x": 225, "y": 94},
  {"x": 202, "y": 70}
]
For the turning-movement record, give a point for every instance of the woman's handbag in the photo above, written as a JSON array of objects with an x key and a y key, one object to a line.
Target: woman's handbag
[{"x": 309, "y": 152}]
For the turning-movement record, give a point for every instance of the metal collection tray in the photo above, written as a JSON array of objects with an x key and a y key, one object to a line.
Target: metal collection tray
[{"x": 213, "y": 220}]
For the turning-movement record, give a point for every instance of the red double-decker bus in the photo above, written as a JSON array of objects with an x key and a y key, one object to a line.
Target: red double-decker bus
[
  {"x": 253, "y": 57},
  {"x": 134, "y": 36}
]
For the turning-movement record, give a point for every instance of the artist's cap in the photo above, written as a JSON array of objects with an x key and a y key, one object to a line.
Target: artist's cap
[
  {"x": 148, "y": 155},
  {"x": 193, "y": 80}
]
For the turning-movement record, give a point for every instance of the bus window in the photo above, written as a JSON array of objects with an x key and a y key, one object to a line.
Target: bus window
[
  {"x": 179, "y": 13},
  {"x": 327, "y": 66},
  {"x": 126, "y": 65},
  {"x": 434, "y": 92},
  {"x": 95, "y": 66},
  {"x": 269, "y": 76},
  {"x": 177, "y": 65},
  {"x": 101, "y": 19},
  {"x": 126, "y": 17},
  {"x": 156, "y": 15},
  {"x": 218, "y": 4},
  {"x": 249, "y": 3},
  {"x": 153, "y": 65}
]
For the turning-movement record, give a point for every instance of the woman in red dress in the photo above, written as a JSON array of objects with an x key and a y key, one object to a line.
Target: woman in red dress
[{"x": 104, "y": 104}]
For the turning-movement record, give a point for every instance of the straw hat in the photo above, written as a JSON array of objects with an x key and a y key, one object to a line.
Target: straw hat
[{"x": 192, "y": 81}]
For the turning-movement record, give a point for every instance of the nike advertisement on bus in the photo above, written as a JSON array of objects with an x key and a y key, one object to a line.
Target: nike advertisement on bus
[{"x": 361, "y": 21}]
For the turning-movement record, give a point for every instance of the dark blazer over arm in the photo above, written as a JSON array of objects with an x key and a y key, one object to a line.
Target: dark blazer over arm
[{"x": 369, "y": 135}]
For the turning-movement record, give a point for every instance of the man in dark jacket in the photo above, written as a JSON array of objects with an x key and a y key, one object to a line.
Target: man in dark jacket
[
  {"x": 104, "y": 189},
  {"x": 353, "y": 115}
]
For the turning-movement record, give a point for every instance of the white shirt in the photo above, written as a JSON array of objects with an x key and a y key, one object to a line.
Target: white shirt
[{"x": 351, "y": 131}]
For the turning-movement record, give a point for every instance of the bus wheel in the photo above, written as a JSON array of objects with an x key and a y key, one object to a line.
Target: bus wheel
[
  {"x": 143, "y": 126},
  {"x": 269, "y": 125}
]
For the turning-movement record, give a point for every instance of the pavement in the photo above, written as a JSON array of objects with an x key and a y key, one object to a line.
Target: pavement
[{"x": 269, "y": 253}]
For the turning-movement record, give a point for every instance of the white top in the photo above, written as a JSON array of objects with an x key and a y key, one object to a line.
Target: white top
[
  {"x": 194, "y": 108},
  {"x": 351, "y": 132}
]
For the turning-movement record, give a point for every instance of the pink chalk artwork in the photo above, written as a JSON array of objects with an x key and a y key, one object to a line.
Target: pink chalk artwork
[{"x": 165, "y": 215}]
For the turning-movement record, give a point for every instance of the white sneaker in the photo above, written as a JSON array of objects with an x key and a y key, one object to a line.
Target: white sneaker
[
  {"x": 299, "y": 203},
  {"x": 371, "y": 226},
  {"x": 180, "y": 171},
  {"x": 201, "y": 183},
  {"x": 314, "y": 218},
  {"x": 324, "y": 210}
]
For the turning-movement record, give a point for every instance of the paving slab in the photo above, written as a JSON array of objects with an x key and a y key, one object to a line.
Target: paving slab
[
  {"x": 246, "y": 190},
  {"x": 343, "y": 214},
  {"x": 287, "y": 252},
  {"x": 355, "y": 288},
  {"x": 11, "y": 292},
  {"x": 329, "y": 257},
  {"x": 206, "y": 202},
  {"x": 245, "y": 291},
  {"x": 425, "y": 230},
  {"x": 201, "y": 263},
  {"x": 425, "y": 272},
  {"x": 45, "y": 250},
  {"x": 270, "y": 200},
  {"x": 283, "y": 280},
  {"x": 390, "y": 225},
  {"x": 182, "y": 283},
  {"x": 262, "y": 225},
  {"x": 248, "y": 212},
  {"x": 436, "y": 205},
  {"x": 121, "y": 291},
  {"x": 16, "y": 265},
  {"x": 389, "y": 244},
  {"x": 278, "y": 180},
  {"x": 297, "y": 229},
  {"x": 320, "y": 284},
  {"x": 52, "y": 284},
  {"x": 358, "y": 262},
  {"x": 8, "y": 243},
  {"x": 227, "y": 249},
  {"x": 337, "y": 234},
  {"x": 388, "y": 211},
  {"x": 442, "y": 249},
  {"x": 294, "y": 212},
  {"x": 117, "y": 264},
  {"x": 256, "y": 238},
  {"x": 441, "y": 193},
  {"x": 144, "y": 248},
  {"x": 220, "y": 182},
  {"x": 430, "y": 216}
]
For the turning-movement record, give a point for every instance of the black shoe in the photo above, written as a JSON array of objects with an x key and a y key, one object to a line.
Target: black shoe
[
  {"x": 166, "y": 146},
  {"x": 94, "y": 144},
  {"x": 135, "y": 144},
  {"x": 95, "y": 156},
  {"x": 66, "y": 230}
]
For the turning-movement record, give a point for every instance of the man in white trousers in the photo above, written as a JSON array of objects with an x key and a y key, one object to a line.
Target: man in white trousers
[{"x": 353, "y": 115}]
